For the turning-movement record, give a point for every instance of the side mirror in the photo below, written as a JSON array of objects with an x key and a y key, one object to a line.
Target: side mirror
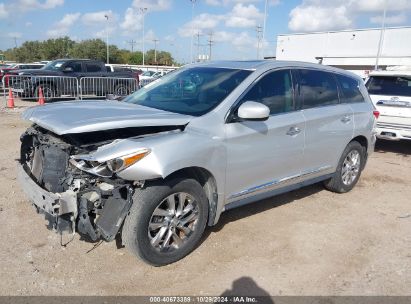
[
  {"x": 251, "y": 110},
  {"x": 68, "y": 69}
]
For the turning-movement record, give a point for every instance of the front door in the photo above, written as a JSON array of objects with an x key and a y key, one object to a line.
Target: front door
[{"x": 264, "y": 155}]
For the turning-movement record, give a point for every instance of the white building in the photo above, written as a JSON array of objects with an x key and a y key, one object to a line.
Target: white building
[{"x": 354, "y": 50}]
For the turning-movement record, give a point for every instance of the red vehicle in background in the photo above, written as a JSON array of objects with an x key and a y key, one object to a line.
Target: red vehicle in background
[{"x": 4, "y": 70}]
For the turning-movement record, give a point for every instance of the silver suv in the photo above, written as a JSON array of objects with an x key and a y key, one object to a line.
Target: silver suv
[{"x": 156, "y": 168}]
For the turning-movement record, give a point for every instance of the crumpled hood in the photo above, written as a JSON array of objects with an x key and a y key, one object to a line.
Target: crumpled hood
[{"x": 89, "y": 116}]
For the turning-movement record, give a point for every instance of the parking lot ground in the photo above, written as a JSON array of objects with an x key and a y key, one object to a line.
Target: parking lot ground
[{"x": 307, "y": 242}]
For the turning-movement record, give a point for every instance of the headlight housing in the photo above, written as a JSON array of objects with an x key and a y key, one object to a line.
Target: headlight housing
[
  {"x": 107, "y": 168},
  {"x": 120, "y": 163}
]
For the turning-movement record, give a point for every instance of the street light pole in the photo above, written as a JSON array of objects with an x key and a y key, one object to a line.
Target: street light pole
[
  {"x": 192, "y": 30},
  {"x": 265, "y": 21},
  {"x": 108, "y": 55},
  {"x": 381, "y": 37},
  {"x": 143, "y": 11}
]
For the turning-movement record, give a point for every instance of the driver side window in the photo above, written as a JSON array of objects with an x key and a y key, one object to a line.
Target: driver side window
[{"x": 275, "y": 90}]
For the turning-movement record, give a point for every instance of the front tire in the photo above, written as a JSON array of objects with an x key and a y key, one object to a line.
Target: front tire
[
  {"x": 166, "y": 220},
  {"x": 349, "y": 169}
]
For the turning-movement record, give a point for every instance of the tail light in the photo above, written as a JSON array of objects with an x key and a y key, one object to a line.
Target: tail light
[{"x": 376, "y": 114}]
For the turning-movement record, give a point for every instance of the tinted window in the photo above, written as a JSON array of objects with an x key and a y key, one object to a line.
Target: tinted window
[
  {"x": 350, "y": 89},
  {"x": 388, "y": 85},
  {"x": 317, "y": 88},
  {"x": 93, "y": 67},
  {"x": 76, "y": 66},
  {"x": 193, "y": 91},
  {"x": 274, "y": 90}
]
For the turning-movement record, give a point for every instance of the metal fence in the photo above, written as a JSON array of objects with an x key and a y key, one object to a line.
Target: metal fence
[
  {"x": 91, "y": 87},
  {"x": 144, "y": 82},
  {"x": 54, "y": 88}
]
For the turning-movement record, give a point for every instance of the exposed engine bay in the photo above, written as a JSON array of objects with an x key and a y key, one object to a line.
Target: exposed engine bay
[{"x": 91, "y": 199}]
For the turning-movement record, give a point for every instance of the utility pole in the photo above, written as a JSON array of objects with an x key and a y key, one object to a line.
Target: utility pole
[
  {"x": 108, "y": 55},
  {"x": 198, "y": 45},
  {"x": 258, "y": 29},
  {"x": 210, "y": 44},
  {"x": 132, "y": 42},
  {"x": 143, "y": 11},
  {"x": 15, "y": 41},
  {"x": 155, "y": 50},
  {"x": 381, "y": 36},
  {"x": 192, "y": 29}
]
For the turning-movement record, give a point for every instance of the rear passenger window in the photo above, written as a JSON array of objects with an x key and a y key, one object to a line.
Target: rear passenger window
[
  {"x": 76, "y": 66},
  {"x": 350, "y": 90},
  {"x": 93, "y": 67},
  {"x": 317, "y": 89},
  {"x": 274, "y": 90}
]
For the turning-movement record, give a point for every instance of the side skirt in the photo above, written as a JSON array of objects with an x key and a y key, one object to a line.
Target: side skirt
[{"x": 275, "y": 192}]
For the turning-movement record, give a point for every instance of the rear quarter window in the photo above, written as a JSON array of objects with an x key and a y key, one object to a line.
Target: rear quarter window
[
  {"x": 350, "y": 89},
  {"x": 389, "y": 85}
]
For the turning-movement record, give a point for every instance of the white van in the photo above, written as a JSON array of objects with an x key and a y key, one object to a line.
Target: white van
[{"x": 390, "y": 92}]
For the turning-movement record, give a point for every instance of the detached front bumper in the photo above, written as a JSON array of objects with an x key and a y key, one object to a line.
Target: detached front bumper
[{"x": 60, "y": 209}]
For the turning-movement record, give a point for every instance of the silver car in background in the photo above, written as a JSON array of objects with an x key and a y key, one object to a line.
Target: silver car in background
[{"x": 158, "y": 167}]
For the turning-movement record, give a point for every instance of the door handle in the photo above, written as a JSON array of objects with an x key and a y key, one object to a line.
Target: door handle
[
  {"x": 346, "y": 119},
  {"x": 293, "y": 131}
]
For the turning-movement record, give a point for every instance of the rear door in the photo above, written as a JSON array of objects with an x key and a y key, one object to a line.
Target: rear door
[
  {"x": 265, "y": 155},
  {"x": 329, "y": 124}
]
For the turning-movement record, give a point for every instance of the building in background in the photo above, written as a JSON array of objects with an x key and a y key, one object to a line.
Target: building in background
[{"x": 354, "y": 50}]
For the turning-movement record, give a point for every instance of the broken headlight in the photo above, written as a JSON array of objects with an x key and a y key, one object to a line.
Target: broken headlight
[
  {"x": 120, "y": 163},
  {"x": 107, "y": 168}
]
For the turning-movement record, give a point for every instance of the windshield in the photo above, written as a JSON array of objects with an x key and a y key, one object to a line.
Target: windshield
[
  {"x": 54, "y": 65},
  {"x": 193, "y": 91},
  {"x": 389, "y": 85},
  {"x": 148, "y": 73}
]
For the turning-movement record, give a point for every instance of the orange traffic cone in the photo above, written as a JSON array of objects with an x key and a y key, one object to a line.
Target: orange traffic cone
[
  {"x": 10, "y": 100},
  {"x": 41, "y": 97}
]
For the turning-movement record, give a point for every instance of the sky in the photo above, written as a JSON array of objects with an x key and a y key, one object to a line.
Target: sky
[{"x": 172, "y": 25}]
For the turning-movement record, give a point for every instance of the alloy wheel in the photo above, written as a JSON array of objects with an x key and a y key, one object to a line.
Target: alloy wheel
[
  {"x": 173, "y": 222},
  {"x": 351, "y": 167}
]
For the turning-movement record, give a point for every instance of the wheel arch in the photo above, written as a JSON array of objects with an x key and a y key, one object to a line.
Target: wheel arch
[
  {"x": 207, "y": 181},
  {"x": 363, "y": 141}
]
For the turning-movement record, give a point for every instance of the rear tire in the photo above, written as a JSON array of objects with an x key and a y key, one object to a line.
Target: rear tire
[
  {"x": 160, "y": 234},
  {"x": 122, "y": 90},
  {"x": 349, "y": 169}
]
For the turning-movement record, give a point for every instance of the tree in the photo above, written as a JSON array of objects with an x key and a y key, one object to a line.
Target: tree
[
  {"x": 52, "y": 49},
  {"x": 56, "y": 48},
  {"x": 163, "y": 58}
]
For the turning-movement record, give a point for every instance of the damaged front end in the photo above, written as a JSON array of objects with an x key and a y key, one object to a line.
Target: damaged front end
[{"x": 75, "y": 193}]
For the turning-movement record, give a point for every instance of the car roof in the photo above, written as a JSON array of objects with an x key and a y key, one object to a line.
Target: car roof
[{"x": 271, "y": 64}]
